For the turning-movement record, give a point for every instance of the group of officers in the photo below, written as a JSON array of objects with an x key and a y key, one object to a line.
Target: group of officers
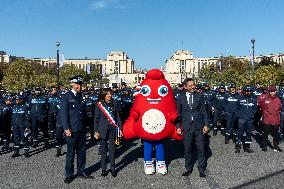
[
  {"x": 23, "y": 115},
  {"x": 235, "y": 112}
]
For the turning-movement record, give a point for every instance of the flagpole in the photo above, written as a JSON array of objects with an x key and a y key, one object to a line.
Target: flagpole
[{"x": 57, "y": 62}]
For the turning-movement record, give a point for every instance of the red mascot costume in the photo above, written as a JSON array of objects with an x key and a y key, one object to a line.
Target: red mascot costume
[{"x": 152, "y": 118}]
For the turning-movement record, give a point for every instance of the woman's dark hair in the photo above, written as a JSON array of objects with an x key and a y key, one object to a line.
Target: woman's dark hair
[{"x": 103, "y": 94}]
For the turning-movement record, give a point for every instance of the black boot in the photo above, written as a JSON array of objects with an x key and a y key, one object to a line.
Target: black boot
[
  {"x": 46, "y": 143},
  {"x": 35, "y": 144},
  {"x": 5, "y": 147},
  {"x": 27, "y": 153},
  {"x": 223, "y": 132},
  {"x": 238, "y": 148},
  {"x": 247, "y": 148},
  {"x": 227, "y": 139},
  {"x": 58, "y": 152},
  {"x": 16, "y": 153}
]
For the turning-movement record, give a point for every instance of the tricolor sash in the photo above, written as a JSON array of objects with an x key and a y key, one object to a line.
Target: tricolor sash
[{"x": 108, "y": 114}]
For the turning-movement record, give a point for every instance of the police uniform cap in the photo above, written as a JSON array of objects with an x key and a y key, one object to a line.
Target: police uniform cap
[
  {"x": 19, "y": 97},
  {"x": 248, "y": 89},
  {"x": 232, "y": 85},
  {"x": 222, "y": 86},
  {"x": 76, "y": 79}
]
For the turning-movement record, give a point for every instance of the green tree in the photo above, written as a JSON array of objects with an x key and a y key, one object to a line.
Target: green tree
[
  {"x": 267, "y": 75},
  {"x": 18, "y": 76}
]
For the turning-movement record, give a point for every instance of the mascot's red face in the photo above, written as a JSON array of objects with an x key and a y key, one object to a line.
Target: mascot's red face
[{"x": 153, "y": 108}]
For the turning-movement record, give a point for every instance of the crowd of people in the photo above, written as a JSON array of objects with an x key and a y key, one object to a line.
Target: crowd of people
[{"x": 69, "y": 115}]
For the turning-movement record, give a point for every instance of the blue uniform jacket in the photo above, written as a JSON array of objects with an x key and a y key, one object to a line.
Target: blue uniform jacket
[
  {"x": 39, "y": 106},
  {"x": 247, "y": 107},
  {"x": 21, "y": 116},
  {"x": 231, "y": 102},
  {"x": 73, "y": 112}
]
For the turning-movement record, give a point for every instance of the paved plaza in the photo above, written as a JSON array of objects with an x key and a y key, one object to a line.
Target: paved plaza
[{"x": 225, "y": 168}]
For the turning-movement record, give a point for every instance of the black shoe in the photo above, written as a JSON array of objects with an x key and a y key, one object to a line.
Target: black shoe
[
  {"x": 187, "y": 173},
  {"x": 264, "y": 149},
  {"x": 202, "y": 174},
  {"x": 35, "y": 144},
  {"x": 46, "y": 144},
  {"x": 223, "y": 132},
  {"x": 238, "y": 148},
  {"x": 104, "y": 173},
  {"x": 277, "y": 149},
  {"x": 113, "y": 173},
  {"x": 68, "y": 180},
  {"x": 84, "y": 176},
  {"x": 16, "y": 154},
  {"x": 226, "y": 139},
  {"x": 27, "y": 155},
  {"x": 58, "y": 152},
  {"x": 247, "y": 149}
]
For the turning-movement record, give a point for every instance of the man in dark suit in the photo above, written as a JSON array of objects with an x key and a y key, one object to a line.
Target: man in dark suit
[
  {"x": 73, "y": 115},
  {"x": 193, "y": 125}
]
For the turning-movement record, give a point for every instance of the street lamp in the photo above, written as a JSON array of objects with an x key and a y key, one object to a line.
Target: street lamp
[
  {"x": 252, "y": 41},
  {"x": 57, "y": 66}
]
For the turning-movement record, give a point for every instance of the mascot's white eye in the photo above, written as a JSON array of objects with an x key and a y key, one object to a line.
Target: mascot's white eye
[
  {"x": 145, "y": 90},
  {"x": 163, "y": 90}
]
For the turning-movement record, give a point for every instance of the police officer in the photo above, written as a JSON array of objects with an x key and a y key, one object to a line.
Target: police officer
[
  {"x": 231, "y": 105},
  {"x": 178, "y": 90},
  {"x": 5, "y": 122},
  {"x": 208, "y": 95},
  {"x": 90, "y": 109},
  {"x": 59, "y": 128},
  {"x": 53, "y": 101},
  {"x": 127, "y": 104},
  {"x": 247, "y": 107},
  {"x": 117, "y": 96},
  {"x": 21, "y": 126},
  {"x": 73, "y": 116},
  {"x": 218, "y": 109},
  {"x": 39, "y": 108}
]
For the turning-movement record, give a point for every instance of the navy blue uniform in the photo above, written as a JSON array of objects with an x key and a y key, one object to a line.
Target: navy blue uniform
[
  {"x": 231, "y": 108},
  {"x": 39, "y": 108},
  {"x": 247, "y": 108},
  {"x": 20, "y": 121},
  {"x": 5, "y": 124},
  {"x": 218, "y": 103},
  {"x": 127, "y": 104},
  {"x": 73, "y": 116},
  {"x": 208, "y": 96},
  {"x": 90, "y": 110},
  {"x": 53, "y": 101}
]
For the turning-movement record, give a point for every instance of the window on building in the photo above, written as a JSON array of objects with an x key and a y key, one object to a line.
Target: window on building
[{"x": 79, "y": 66}]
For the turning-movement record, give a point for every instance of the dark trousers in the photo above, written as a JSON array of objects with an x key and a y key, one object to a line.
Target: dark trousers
[
  {"x": 51, "y": 121},
  {"x": 5, "y": 134},
  {"x": 76, "y": 143},
  {"x": 59, "y": 136},
  {"x": 191, "y": 137},
  {"x": 38, "y": 122},
  {"x": 245, "y": 126},
  {"x": 90, "y": 124},
  {"x": 231, "y": 123},
  {"x": 219, "y": 116},
  {"x": 107, "y": 143},
  {"x": 18, "y": 133},
  {"x": 272, "y": 130}
]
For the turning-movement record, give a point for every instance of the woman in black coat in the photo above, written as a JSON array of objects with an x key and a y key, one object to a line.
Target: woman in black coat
[{"x": 107, "y": 125}]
